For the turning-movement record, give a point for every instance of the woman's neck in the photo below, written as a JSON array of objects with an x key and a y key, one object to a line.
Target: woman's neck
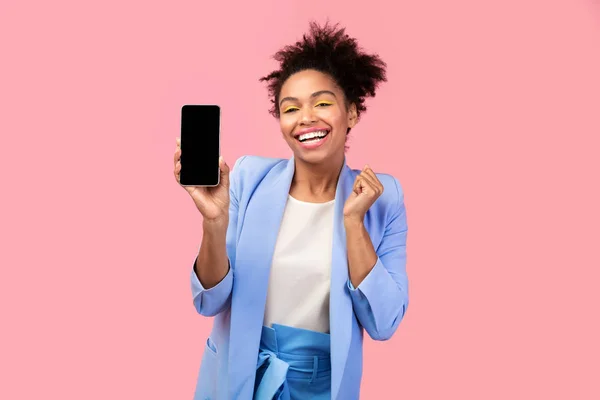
[{"x": 316, "y": 183}]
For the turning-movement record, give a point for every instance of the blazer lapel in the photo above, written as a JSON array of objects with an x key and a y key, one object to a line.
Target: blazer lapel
[
  {"x": 254, "y": 255},
  {"x": 340, "y": 304}
]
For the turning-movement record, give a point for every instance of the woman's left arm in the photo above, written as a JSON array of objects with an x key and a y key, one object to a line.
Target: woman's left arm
[{"x": 378, "y": 282}]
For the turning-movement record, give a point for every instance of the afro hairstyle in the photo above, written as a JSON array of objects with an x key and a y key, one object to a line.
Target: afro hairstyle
[{"x": 328, "y": 49}]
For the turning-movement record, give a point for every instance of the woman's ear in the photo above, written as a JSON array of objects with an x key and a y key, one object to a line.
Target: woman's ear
[{"x": 352, "y": 116}]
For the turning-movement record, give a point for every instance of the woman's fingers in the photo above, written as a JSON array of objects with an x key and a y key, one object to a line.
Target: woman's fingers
[
  {"x": 176, "y": 158},
  {"x": 177, "y": 170},
  {"x": 368, "y": 178},
  {"x": 177, "y": 154},
  {"x": 224, "y": 168},
  {"x": 368, "y": 172},
  {"x": 357, "y": 185},
  {"x": 369, "y": 182},
  {"x": 363, "y": 185}
]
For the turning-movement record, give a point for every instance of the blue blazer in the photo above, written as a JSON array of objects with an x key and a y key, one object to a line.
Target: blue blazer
[{"x": 259, "y": 188}]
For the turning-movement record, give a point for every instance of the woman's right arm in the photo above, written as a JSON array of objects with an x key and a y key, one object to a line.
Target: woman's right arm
[{"x": 212, "y": 275}]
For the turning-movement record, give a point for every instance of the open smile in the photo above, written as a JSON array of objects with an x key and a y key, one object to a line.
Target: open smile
[{"x": 313, "y": 139}]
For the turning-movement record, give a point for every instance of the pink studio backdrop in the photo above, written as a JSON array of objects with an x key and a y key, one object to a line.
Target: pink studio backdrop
[{"x": 490, "y": 119}]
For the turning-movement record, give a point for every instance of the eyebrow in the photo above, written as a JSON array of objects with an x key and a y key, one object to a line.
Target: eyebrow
[{"x": 315, "y": 94}]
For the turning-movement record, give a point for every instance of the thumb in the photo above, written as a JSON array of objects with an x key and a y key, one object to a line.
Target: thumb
[{"x": 224, "y": 171}]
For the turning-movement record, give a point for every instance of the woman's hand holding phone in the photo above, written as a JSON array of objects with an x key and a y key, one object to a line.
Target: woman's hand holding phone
[{"x": 212, "y": 202}]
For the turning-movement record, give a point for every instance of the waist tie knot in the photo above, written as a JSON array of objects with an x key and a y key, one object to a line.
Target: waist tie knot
[
  {"x": 291, "y": 353},
  {"x": 274, "y": 377}
]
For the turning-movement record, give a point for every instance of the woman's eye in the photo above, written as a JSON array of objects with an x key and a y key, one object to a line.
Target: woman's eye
[
  {"x": 290, "y": 109},
  {"x": 323, "y": 104}
]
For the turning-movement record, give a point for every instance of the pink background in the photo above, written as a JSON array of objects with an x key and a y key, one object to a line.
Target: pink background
[{"x": 490, "y": 119}]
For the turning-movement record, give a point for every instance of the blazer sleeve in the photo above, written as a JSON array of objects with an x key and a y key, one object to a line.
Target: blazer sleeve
[
  {"x": 381, "y": 299},
  {"x": 210, "y": 302}
]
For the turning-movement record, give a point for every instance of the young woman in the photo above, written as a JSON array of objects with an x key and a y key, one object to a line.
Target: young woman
[{"x": 299, "y": 256}]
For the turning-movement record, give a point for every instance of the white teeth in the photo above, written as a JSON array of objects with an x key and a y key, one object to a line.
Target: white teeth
[{"x": 311, "y": 135}]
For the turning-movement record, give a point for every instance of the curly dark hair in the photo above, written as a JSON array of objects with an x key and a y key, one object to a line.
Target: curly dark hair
[{"x": 330, "y": 50}]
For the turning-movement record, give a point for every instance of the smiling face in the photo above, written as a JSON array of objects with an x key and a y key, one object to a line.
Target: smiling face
[{"x": 314, "y": 118}]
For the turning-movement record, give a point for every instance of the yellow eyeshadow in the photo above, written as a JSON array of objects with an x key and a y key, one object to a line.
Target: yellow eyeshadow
[
  {"x": 325, "y": 102},
  {"x": 290, "y": 108}
]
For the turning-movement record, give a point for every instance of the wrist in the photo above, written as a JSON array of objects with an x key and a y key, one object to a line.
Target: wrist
[
  {"x": 216, "y": 225},
  {"x": 353, "y": 221}
]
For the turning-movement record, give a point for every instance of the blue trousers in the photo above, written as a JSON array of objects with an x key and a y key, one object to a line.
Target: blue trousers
[{"x": 293, "y": 364}]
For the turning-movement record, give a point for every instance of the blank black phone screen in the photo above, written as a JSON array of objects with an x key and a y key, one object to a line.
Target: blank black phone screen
[{"x": 200, "y": 126}]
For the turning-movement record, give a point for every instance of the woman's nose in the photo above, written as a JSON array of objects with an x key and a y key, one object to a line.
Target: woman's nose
[{"x": 307, "y": 116}]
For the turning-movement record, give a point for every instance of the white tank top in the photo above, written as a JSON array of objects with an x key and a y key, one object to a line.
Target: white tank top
[{"x": 299, "y": 283}]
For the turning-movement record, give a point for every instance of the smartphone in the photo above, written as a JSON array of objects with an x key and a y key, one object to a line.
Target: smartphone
[{"x": 200, "y": 145}]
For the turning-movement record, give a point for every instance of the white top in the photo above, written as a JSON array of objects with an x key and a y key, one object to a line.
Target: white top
[{"x": 298, "y": 291}]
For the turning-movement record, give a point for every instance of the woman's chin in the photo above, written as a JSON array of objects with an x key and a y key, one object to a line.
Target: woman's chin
[{"x": 314, "y": 157}]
